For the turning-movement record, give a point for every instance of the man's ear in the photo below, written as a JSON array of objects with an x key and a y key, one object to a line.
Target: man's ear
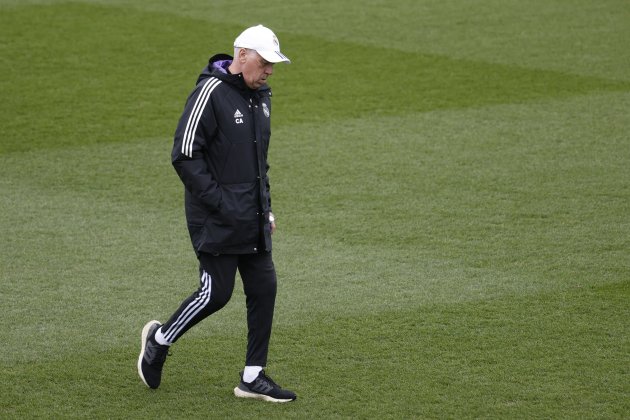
[{"x": 242, "y": 55}]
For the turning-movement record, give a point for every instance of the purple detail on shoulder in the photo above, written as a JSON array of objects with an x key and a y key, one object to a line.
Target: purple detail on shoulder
[{"x": 222, "y": 65}]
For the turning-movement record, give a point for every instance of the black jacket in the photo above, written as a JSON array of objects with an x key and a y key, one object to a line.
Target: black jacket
[{"x": 220, "y": 154}]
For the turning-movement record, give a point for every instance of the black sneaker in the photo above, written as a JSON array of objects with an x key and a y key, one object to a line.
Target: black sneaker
[
  {"x": 263, "y": 388},
  {"x": 152, "y": 356}
]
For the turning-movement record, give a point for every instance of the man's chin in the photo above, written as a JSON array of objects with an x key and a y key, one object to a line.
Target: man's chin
[{"x": 256, "y": 85}]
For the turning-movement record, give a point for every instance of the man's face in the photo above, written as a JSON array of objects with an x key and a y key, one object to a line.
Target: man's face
[{"x": 255, "y": 69}]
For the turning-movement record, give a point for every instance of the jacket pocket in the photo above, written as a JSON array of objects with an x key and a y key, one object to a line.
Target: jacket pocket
[{"x": 236, "y": 222}]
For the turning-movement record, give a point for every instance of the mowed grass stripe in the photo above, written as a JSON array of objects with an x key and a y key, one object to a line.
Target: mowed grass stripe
[
  {"x": 520, "y": 188},
  {"x": 588, "y": 39},
  {"x": 512, "y": 357},
  {"x": 492, "y": 173},
  {"x": 125, "y": 73}
]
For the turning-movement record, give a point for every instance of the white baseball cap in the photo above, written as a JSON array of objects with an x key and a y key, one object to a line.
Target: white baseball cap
[{"x": 263, "y": 41}]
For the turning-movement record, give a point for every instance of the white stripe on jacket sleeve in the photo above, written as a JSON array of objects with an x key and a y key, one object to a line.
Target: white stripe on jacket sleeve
[{"x": 193, "y": 120}]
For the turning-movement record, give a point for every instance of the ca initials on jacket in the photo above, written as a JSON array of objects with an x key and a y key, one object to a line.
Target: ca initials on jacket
[{"x": 238, "y": 117}]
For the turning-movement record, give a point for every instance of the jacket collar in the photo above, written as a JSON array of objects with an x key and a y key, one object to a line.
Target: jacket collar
[{"x": 218, "y": 67}]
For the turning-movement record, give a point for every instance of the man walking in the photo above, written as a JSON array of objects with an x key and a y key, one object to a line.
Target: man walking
[{"x": 220, "y": 154}]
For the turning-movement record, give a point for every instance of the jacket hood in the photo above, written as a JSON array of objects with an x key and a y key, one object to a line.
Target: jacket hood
[{"x": 218, "y": 67}]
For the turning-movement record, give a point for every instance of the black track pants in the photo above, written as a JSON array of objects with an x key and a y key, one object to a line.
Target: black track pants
[{"x": 217, "y": 275}]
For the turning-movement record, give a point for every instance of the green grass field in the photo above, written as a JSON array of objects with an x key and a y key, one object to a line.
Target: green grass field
[{"x": 452, "y": 187}]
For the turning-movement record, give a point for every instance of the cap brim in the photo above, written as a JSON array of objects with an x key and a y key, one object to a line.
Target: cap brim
[{"x": 274, "y": 56}]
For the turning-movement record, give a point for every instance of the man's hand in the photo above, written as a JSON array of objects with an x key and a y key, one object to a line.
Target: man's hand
[{"x": 272, "y": 222}]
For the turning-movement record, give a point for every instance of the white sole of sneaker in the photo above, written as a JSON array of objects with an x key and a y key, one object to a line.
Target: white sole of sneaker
[
  {"x": 244, "y": 394},
  {"x": 143, "y": 345}
]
